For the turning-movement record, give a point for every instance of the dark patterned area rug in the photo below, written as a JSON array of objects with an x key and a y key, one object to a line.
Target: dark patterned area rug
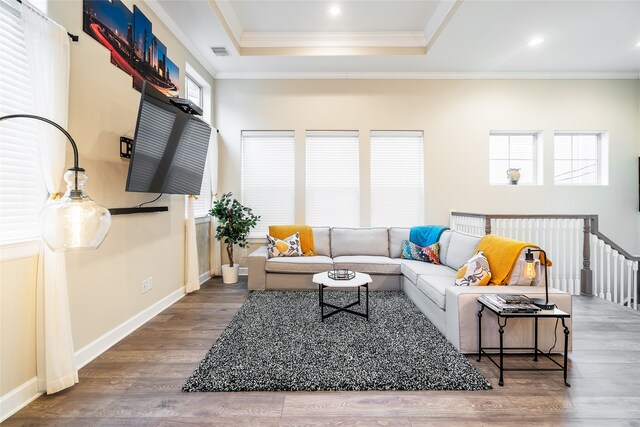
[{"x": 276, "y": 342}]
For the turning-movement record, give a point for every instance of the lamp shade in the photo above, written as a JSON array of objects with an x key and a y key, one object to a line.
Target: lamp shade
[{"x": 75, "y": 221}]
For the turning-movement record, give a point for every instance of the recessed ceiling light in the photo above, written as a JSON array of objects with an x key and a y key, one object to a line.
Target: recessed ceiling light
[
  {"x": 536, "y": 41},
  {"x": 334, "y": 10}
]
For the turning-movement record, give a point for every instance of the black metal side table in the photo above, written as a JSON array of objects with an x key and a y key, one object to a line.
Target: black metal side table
[{"x": 503, "y": 317}]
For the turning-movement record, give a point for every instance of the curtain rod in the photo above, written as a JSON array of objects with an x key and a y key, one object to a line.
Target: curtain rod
[{"x": 74, "y": 38}]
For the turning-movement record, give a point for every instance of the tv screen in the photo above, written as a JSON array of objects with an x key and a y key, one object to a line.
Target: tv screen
[{"x": 169, "y": 147}]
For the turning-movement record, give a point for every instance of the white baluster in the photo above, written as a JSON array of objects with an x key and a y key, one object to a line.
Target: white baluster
[
  {"x": 635, "y": 285},
  {"x": 608, "y": 250},
  {"x": 563, "y": 252},
  {"x": 594, "y": 263},
  {"x": 629, "y": 265},
  {"x": 614, "y": 255},
  {"x": 601, "y": 251}
]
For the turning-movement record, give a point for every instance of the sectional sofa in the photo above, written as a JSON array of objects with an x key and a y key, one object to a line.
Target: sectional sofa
[{"x": 377, "y": 252}]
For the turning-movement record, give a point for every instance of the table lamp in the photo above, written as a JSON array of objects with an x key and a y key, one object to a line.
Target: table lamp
[{"x": 530, "y": 271}]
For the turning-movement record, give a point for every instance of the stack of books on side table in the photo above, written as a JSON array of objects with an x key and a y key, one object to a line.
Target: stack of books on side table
[{"x": 507, "y": 303}]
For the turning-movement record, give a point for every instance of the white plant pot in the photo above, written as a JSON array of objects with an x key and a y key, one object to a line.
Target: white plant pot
[{"x": 230, "y": 274}]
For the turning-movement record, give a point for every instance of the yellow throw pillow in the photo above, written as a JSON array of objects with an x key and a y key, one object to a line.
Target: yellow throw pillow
[
  {"x": 475, "y": 272},
  {"x": 306, "y": 236}
]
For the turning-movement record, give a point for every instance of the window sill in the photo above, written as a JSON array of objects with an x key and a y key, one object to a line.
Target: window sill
[{"x": 19, "y": 250}]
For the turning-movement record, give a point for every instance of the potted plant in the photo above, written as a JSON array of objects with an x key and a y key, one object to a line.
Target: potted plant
[{"x": 235, "y": 223}]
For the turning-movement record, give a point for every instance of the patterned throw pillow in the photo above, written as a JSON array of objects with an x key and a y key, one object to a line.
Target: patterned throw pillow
[
  {"x": 429, "y": 254},
  {"x": 289, "y": 246},
  {"x": 475, "y": 272}
]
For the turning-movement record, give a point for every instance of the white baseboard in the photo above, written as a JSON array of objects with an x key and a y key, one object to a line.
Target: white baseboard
[
  {"x": 204, "y": 277},
  {"x": 18, "y": 398},
  {"x": 26, "y": 393},
  {"x": 243, "y": 271},
  {"x": 94, "y": 349}
]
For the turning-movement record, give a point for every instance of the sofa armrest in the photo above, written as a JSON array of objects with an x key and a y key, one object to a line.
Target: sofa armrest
[{"x": 256, "y": 264}]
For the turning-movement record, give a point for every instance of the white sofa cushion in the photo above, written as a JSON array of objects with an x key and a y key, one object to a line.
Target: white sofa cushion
[
  {"x": 412, "y": 269},
  {"x": 359, "y": 241},
  {"x": 368, "y": 264},
  {"x": 435, "y": 287},
  {"x": 445, "y": 239},
  {"x": 460, "y": 249},
  {"x": 322, "y": 240},
  {"x": 396, "y": 236},
  {"x": 302, "y": 264}
]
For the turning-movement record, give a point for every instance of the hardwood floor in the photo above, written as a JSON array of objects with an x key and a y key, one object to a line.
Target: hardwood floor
[{"x": 137, "y": 382}]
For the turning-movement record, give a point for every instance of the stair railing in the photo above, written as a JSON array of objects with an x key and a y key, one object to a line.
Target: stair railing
[{"x": 586, "y": 262}]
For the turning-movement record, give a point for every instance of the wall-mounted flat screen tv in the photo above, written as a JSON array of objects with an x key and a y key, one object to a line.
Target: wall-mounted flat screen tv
[{"x": 169, "y": 147}]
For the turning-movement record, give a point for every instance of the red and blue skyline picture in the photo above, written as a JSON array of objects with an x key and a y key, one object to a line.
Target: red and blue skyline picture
[{"x": 133, "y": 46}]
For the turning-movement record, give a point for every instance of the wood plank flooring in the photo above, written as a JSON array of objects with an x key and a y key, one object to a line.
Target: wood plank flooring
[{"x": 137, "y": 382}]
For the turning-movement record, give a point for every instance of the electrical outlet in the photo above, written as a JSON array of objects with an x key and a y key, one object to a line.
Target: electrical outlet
[
  {"x": 144, "y": 287},
  {"x": 149, "y": 283}
]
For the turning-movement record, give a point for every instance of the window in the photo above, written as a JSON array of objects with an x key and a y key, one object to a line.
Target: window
[
  {"x": 196, "y": 93},
  {"x": 268, "y": 177},
  {"x": 193, "y": 91},
  {"x": 333, "y": 184},
  {"x": 578, "y": 158},
  {"x": 397, "y": 194},
  {"x": 22, "y": 189},
  {"x": 520, "y": 150}
]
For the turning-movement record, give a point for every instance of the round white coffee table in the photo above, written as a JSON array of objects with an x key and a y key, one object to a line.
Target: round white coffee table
[{"x": 361, "y": 280}]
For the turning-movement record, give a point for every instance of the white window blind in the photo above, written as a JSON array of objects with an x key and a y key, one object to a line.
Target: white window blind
[
  {"x": 22, "y": 189},
  {"x": 397, "y": 192},
  {"x": 268, "y": 177},
  {"x": 202, "y": 204},
  {"x": 514, "y": 150},
  {"x": 578, "y": 158},
  {"x": 333, "y": 179}
]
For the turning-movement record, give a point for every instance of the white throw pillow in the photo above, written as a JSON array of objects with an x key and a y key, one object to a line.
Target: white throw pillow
[{"x": 287, "y": 247}]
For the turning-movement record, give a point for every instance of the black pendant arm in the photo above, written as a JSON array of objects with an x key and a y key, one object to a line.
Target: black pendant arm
[{"x": 57, "y": 126}]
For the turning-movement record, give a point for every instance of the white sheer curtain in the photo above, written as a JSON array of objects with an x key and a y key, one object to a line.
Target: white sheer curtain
[
  {"x": 47, "y": 46},
  {"x": 215, "y": 260},
  {"x": 191, "y": 276}
]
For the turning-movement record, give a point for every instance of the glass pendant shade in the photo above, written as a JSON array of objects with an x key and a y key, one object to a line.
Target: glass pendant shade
[{"x": 74, "y": 222}]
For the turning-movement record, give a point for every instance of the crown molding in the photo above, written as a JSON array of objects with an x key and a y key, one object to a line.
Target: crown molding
[
  {"x": 231, "y": 19},
  {"x": 330, "y": 40},
  {"x": 443, "y": 14},
  {"x": 230, "y": 75},
  {"x": 182, "y": 38}
]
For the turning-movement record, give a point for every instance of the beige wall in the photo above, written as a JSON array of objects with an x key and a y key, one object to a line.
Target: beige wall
[
  {"x": 456, "y": 116},
  {"x": 17, "y": 322},
  {"x": 104, "y": 285}
]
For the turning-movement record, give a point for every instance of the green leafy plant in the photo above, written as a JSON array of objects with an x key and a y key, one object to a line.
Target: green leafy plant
[{"x": 236, "y": 221}]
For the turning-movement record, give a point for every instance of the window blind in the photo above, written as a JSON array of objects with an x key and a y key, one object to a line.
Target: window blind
[
  {"x": 22, "y": 189},
  {"x": 333, "y": 178},
  {"x": 397, "y": 189},
  {"x": 268, "y": 177}
]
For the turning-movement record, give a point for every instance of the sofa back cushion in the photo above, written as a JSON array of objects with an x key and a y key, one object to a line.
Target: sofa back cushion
[
  {"x": 460, "y": 248},
  {"x": 321, "y": 240},
  {"x": 396, "y": 236},
  {"x": 359, "y": 241}
]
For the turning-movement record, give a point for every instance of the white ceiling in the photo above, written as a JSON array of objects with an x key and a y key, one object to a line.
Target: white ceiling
[{"x": 409, "y": 39}]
